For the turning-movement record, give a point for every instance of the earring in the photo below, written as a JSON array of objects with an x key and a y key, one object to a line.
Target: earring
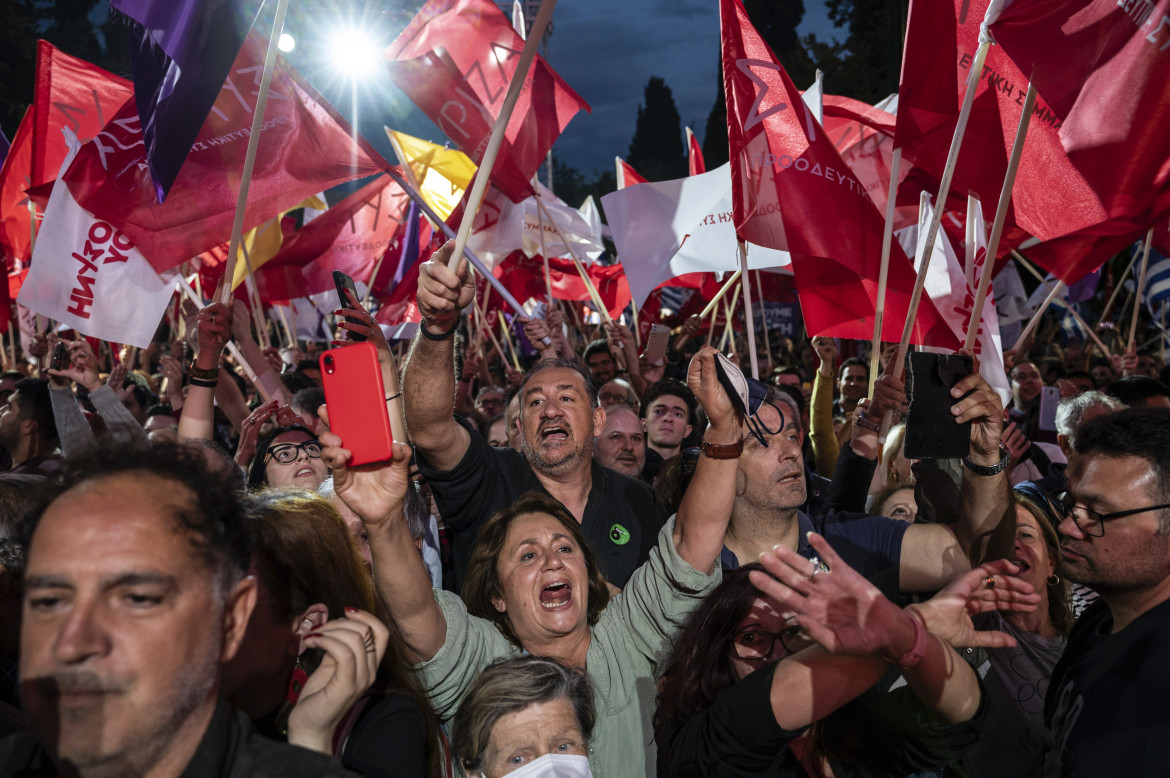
[
  {"x": 1053, "y": 579},
  {"x": 296, "y": 683}
]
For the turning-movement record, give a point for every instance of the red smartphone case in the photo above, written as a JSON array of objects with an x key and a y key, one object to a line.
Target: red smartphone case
[{"x": 352, "y": 379}]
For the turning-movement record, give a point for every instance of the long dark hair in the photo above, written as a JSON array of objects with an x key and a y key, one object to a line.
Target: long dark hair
[{"x": 701, "y": 666}]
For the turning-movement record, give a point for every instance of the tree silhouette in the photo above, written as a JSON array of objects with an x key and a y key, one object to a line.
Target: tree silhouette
[{"x": 657, "y": 148}]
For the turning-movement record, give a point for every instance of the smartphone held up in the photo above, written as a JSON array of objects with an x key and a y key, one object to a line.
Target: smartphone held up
[{"x": 356, "y": 400}]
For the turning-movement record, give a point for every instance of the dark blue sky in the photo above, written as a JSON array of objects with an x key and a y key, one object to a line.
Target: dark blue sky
[{"x": 605, "y": 49}]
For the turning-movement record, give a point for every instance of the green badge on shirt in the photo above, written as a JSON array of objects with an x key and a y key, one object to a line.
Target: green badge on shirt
[{"x": 619, "y": 534}]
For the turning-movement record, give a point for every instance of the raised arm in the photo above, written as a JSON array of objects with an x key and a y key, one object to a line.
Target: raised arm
[
  {"x": 706, "y": 507},
  {"x": 428, "y": 381},
  {"x": 214, "y": 328},
  {"x": 377, "y": 494}
]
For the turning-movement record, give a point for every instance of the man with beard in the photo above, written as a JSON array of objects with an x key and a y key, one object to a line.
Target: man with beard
[
  {"x": 1108, "y": 703},
  {"x": 136, "y": 595},
  {"x": 559, "y": 417}
]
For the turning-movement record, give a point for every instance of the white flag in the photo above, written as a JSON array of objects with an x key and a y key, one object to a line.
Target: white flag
[
  {"x": 88, "y": 276},
  {"x": 664, "y": 229},
  {"x": 573, "y": 225},
  {"x": 946, "y": 285}
]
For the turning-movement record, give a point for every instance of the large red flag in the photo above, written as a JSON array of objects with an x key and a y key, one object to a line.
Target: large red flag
[
  {"x": 15, "y": 216},
  {"x": 348, "y": 237},
  {"x": 70, "y": 93},
  {"x": 455, "y": 60},
  {"x": 792, "y": 191},
  {"x": 306, "y": 147},
  {"x": 1051, "y": 196}
]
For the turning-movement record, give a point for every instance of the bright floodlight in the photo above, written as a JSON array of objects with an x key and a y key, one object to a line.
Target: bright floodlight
[
  {"x": 286, "y": 43},
  {"x": 354, "y": 53}
]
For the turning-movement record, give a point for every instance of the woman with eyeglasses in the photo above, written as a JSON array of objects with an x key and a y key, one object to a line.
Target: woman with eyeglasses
[
  {"x": 750, "y": 692},
  {"x": 287, "y": 456}
]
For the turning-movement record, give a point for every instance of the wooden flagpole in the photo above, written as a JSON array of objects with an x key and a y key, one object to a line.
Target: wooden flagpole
[
  {"x": 729, "y": 314},
  {"x": 253, "y": 144},
  {"x": 719, "y": 295},
  {"x": 764, "y": 316},
  {"x": 749, "y": 315},
  {"x": 1117, "y": 285},
  {"x": 1039, "y": 312},
  {"x": 883, "y": 274},
  {"x": 1141, "y": 289},
  {"x": 508, "y": 339},
  {"x": 483, "y": 173},
  {"x": 970, "y": 239},
  {"x": 1005, "y": 197},
  {"x": 593, "y": 295},
  {"x": 544, "y": 256},
  {"x": 231, "y": 347}
]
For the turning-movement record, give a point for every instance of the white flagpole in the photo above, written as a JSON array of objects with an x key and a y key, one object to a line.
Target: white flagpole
[
  {"x": 253, "y": 144},
  {"x": 970, "y": 239},
  {"x": 1005, "y": 197},
  {"x": 483, "y": 173},
  {"x": 747, "y": 308},
  {"x": 1141, "y": 289},
  {"x": 883, "y": 274}
]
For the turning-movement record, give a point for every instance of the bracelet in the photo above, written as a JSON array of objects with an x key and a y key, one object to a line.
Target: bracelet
[
  {"x": 194, "y": 381},
  {"x": 994, "y": 469},
  {"x": 422, "y": 328},
  {"x": 721, "y": 450},
  {"x": 914, "y": 655},
  {"x": 393, "y": 397},
  {"x": 198, "y": 372},
  {"x": 867, "y": 423}
]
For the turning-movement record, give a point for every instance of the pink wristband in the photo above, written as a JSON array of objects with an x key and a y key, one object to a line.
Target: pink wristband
[{"x": 914, "y": 655}]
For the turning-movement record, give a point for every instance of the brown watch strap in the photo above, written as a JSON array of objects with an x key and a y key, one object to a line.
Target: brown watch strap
[{"x": 721, "y": 451}]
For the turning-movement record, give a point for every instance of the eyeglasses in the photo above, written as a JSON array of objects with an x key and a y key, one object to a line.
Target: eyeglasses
[
  {"x": 288, "y": 452},
  {"x": 1092, "y": 524},
  {"x": 755, "y": 645}
]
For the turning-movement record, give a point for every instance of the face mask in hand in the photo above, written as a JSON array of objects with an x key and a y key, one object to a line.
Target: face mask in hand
[{"x": 555, "y": 766}]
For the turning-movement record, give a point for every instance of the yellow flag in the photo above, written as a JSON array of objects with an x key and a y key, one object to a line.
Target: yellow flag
[
  {"x": 440, "y": 175},
  {"x": 263, "y": 242}
]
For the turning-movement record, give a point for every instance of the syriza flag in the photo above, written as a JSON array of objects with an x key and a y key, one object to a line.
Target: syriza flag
[
  {"x": 666, "y": 229},
  {"x": 793, "y": 192},
  {"x": 89, "y": 276}
]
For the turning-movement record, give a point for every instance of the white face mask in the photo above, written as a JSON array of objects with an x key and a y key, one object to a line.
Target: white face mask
[{"x": 555, "y": 766}]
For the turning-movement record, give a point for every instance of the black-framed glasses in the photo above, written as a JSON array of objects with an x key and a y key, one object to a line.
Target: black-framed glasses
[
  {"x": 755, "y": 645},
  {"x": 288, "y": 452},
  {"x": 1093, "y": 523}
]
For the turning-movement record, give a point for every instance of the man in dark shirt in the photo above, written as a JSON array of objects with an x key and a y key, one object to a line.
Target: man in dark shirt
[
  {"x": 1108, "y": 704},
  {"x": 135, "y": 597},
  {"x": 559, "y": 417}
]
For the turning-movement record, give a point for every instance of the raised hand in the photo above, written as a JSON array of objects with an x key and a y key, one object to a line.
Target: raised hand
[
  {"x": 214, "y": 325},
  {"x": 826, "y": 350},
  {"x": 250, "y": 432},
  {"x": 985, "y": 410},
  {"x": 988, "y": 587},
  {"x": 377, "y": 492},
  {"x": 703, "y": 380},
  {"x": 353, "y": 647},
  {"x": 82, "y": 366},
  {"x": 441, "y": 293}
]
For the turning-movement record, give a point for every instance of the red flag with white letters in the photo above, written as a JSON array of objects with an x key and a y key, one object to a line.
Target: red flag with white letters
[
  {"x": 305, "y": 147},
  {"x": 455, "y": 60},
  {"x": 792, "y": 191},
  {"x": 70, "y": 93}
]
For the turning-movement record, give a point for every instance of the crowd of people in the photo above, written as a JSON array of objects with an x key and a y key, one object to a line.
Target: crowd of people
[{"x": 580, "y": 564}]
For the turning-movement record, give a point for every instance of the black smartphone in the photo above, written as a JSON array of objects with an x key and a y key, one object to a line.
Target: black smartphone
[
  {"x": 931, "y": 429},
  {"x": 58, "y": 358},
  {"x": 343, "y": 282}
]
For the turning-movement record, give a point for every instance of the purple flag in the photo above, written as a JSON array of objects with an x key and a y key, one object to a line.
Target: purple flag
[{"x": 181, "y": 52}]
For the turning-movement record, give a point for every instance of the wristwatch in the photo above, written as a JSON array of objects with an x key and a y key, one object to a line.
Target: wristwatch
[{"x": 994, "y": 469}]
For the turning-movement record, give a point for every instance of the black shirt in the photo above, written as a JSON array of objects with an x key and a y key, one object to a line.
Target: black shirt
[
  {"x": 1108, "y": 703},
  {"x": 622, "y": 517},
  {"x": 230, "y": 748}
]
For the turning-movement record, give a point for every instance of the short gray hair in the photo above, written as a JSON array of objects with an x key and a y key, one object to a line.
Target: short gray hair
[
  {"x": 1070, "y": 413},
  {"x": 511, "y": 685}
]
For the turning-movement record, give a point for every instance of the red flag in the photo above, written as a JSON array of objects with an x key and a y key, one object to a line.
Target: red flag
[
  {"x": 792, "y": 191},
  {"x": 455, "y": 60},
  {"x": 523, "y": 276},
  {"x": 626, "y": 175},
  {"x": 307, "y": 147},
  {"x": 70, "y": 93},
  {"x": 695, "y": 155},
  {"x": 15, "y": 217},
  {"x": 348, "y": 237},
  {"x": 1051, "y": 197}
]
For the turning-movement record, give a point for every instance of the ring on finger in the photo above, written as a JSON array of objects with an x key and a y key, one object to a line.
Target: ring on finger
[{"x": 990, "y": 582}]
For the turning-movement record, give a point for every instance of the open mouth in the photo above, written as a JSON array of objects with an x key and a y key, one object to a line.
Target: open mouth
[
  {"x": 1021, "y": 566},
  {"x": 303, "y": 472},
  {"x": 556, "y": 595},
  {"x": 789, "y": 478},
  {"x": 554, "y": 432}
]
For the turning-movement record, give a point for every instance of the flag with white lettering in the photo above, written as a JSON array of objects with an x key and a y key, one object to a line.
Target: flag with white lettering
[
  {"x": 540, "y": 234},
  {"x": 181, "y": 51},
  {"x": 792, "y": 191},
  {"x": 666, "y": 229},
  {"x": 88, "y": 275},
  {"x": 455, "y": 60},
  {"x": 70, "y": 93},
  {"x": 307, "y": 147}
]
